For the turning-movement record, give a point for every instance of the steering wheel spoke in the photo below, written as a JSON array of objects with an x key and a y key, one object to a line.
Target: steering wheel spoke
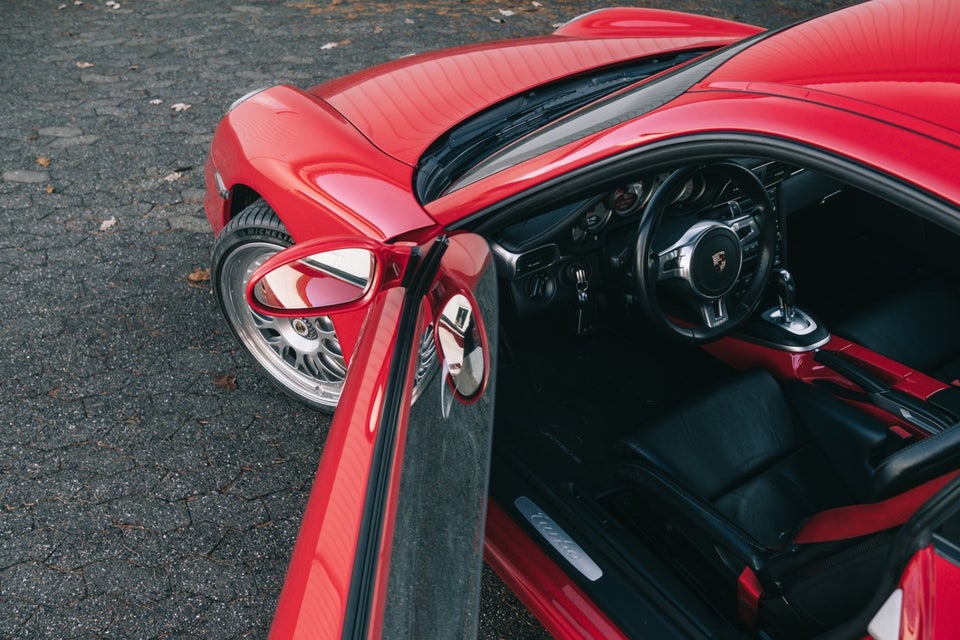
[
  {"x": 746, "y": 228},
  {"x": 715, "y": 313},
  {"x": 670, "y": 262}
]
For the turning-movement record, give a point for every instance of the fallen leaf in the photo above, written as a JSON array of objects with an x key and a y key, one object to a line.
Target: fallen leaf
[
  {"x": 329, "y": 45},
  {"x": 506, "y": 12},
  {"x": 43, "y": 161},
  {"x": 108, "y": 224},
  {"x": 199, "y": 275},
  {"x": 61, "y": 7},
  {"x": 537, "y": 4},
  {"x": 156, "y": 101},
  {"x": 180, "y": 106},
  {"x": 497, "y": 20},
  {"x": 84, "y": 65},
  {"x": 408, "y": 21},
  {"x": 49, "y": 188},
  {"x": 112, "y": 4},
  {"x": 224, "y": 381},
  {"x": 172, "y": 177}
]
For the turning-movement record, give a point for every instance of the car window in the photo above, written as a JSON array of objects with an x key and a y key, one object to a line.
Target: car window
[
  {"x": 602, "y": 114},
  {"x": 494, "y": 128}
]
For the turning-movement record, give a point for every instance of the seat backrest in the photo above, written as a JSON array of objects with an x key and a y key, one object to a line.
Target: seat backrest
[
  {"x": 917, "y": 463},
  {"x": 874, "y": 462}
]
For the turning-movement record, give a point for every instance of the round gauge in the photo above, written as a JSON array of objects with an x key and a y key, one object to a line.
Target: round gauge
[
  {"x": 691, "y": 190},
  {"x": 626, "y": 200},
  {"x": 593, "y": 219}
]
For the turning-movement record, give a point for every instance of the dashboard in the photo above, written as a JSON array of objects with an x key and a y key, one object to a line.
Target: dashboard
[{"x": 587, "y": 248}]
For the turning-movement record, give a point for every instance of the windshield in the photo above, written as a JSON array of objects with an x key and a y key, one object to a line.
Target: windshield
[
  {"x": 492, "y": 130},
  {"x": 601, "y": 114}
]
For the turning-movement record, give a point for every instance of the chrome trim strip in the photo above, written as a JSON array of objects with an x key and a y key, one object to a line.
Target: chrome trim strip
[{"x": 559, "y": 539}]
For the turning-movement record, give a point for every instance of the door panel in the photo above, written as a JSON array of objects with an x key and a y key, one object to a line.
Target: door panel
[
  {"x": 923, "y": 601},
  {"x": 391, "y": 540},
  {"x": 434, "y": 584}
]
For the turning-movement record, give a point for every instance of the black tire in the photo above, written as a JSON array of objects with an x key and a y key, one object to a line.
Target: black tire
[{"x": 301, "y": 356}]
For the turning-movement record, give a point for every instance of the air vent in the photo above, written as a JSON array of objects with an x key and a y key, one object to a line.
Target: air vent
[
  {"x": 536, "y": 259},
  {"x": 773, "y": 173}
]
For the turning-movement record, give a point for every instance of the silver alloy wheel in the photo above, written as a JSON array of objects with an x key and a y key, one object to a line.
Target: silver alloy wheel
[{"x": 302, "y": 355}]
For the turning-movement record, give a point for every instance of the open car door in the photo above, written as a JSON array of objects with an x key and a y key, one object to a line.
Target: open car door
[
  {"x": 392, "y": 538},
  {"x": 921, "y": 597}
]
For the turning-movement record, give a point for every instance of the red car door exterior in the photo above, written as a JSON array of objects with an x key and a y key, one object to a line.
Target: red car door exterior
[
  {"x": 392, "y": 537},
  {"x": 924, "y": 603}
]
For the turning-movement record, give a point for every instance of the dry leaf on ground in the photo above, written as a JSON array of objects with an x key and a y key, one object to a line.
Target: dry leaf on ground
[
  {"x": 224, "y": 381},
  {"x": 198, "y": 276}
]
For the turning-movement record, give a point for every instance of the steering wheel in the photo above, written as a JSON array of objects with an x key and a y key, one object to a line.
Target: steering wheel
[{"x": 704, "y": 266}]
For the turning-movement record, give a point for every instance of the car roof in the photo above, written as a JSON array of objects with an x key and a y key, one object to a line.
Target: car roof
[{"x": 883, "y": 57}]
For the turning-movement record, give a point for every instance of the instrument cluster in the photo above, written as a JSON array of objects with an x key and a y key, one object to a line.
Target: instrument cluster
[{"x": 630, "y": 199}]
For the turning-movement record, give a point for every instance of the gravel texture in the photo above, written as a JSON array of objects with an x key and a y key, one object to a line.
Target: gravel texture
[{"x": 139, "y": 499}]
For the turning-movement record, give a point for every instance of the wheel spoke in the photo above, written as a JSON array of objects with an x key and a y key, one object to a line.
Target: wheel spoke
[
  {"x": 302, "y": 355},
  {"x": 714, "y": 313},
  {"x": 669, "y": 263},
  {"x": 747, "y": 230}
]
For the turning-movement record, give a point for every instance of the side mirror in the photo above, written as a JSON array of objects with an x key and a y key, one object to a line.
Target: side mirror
[{"x": 313, "y": 278}]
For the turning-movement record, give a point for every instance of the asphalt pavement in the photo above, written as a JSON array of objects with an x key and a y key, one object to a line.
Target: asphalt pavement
[{"x": 151, "y": 482}]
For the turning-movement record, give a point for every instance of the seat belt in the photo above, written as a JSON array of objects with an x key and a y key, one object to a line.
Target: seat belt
[
  {"x": 858, "y": 520},
  {"x": 842, "y": 523}
]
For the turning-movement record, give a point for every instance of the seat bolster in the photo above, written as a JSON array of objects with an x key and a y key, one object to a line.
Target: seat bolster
[
  {"x": 849, "y": 438},
  {"x": 917, "y": 463},
  {"x": 746, "y": 551}
]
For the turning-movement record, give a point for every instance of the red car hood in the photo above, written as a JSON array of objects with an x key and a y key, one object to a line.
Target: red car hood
[{"x": 404, "y": 105}]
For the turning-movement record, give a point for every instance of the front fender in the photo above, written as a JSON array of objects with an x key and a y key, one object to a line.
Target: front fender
[{"x": 317, "y": 172}]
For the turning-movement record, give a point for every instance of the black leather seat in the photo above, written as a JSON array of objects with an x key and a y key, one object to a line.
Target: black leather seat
[
  {"x": 728, "y": 479},
  {"x": 919, "y": 327}
]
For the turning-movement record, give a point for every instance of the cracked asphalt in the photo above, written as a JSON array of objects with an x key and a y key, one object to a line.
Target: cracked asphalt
[{"x": 140, "y": 495}]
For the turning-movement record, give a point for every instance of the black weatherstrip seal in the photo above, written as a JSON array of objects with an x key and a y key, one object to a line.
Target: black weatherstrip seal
[{"x": 417, "y": 280}]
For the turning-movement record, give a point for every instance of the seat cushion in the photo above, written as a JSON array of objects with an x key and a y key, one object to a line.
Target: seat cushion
[
  {"x": 917, "y": 327},
  {"x": 741, "y": 449}
]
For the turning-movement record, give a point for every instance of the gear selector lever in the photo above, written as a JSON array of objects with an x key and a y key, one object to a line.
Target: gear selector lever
[
  {"x": 787, "y": 294},
  {"x": 786, "y": 314}
]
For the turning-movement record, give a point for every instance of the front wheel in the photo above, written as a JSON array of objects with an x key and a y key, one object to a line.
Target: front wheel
[{"x": 302, "y": 356}]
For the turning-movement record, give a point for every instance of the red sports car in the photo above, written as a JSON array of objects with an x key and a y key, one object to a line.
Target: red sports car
[{"x": 658, "y": 314}]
